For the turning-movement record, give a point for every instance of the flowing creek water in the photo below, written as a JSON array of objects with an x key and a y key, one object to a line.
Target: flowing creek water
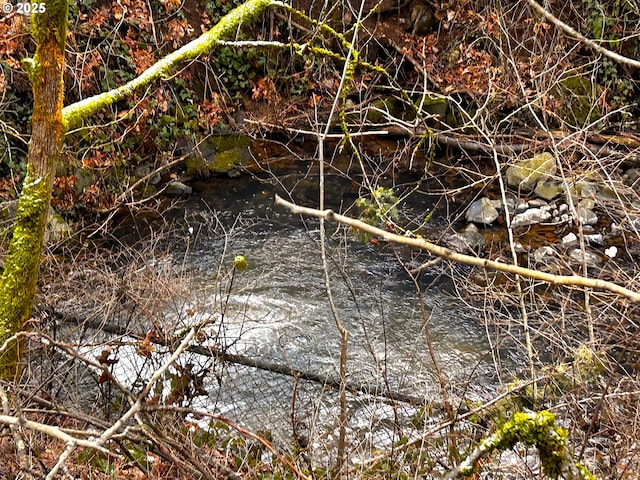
[{"x": 277, "y": 311}]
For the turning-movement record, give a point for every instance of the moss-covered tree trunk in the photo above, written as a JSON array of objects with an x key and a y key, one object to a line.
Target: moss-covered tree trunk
[
  {"x": 49, "y": 122},
  {"x": 18, "y": 283}
]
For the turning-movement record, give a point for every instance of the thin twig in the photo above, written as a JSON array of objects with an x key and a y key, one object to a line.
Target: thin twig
[{"x": 21, "y": 449}]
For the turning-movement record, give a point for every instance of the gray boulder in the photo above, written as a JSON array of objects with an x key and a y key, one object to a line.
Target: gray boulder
[
  {"x": 498, "y": 205},
  {"x": 482, "y": 211},
  {"x": 579, "y": 256},
  {"x": 548, "y": 189},
  {"x": 468, "y": 240},
  {"x": 177, "y": 189},
  {"x": 587, "y": 217}
]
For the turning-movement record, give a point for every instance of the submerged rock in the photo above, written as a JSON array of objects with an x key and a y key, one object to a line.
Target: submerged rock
[
  {"x": 581, "y": 256},
  {"x": 544, "y": 254},
  {"x": 482, "y": 211},
  {"x": 468, "y": 240},
  {"x": 525, "y": 174},
  {"x": 178, "y": 189}
]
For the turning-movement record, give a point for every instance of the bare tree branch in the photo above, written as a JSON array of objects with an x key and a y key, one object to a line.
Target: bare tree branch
[
  {"x": 588, "y": 42},
  {"x": 573, "y": 280},
  {"x": 135, "y": 408},
  {"x": 54, "y": 432}
]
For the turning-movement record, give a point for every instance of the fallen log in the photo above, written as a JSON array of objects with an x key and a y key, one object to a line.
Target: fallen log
[{"x": 215, "y": 352}]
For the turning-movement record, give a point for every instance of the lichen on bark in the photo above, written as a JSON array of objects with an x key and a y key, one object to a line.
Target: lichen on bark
[
  {"x": 51, "y": 22},
  {"x": 537, "y": 429}
]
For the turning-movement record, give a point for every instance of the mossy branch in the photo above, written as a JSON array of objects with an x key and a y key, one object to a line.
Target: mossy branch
[
  {"x": 572, "y": 280},
  {"x": 537, "y": 429},
  {"x": 76, "y": 113},
  {"x": 248, "y": 12}
]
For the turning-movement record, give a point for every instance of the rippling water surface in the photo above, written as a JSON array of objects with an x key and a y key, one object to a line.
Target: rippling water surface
[{"x": 278, "y": 311}]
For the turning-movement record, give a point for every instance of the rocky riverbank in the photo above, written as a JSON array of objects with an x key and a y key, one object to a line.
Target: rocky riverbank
[{"x": 582, "y": 220}]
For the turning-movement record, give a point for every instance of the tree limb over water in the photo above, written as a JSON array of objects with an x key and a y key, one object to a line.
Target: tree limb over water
[
  {"x": 74, "y": 114},
  {"x": 571, "y": 280}
]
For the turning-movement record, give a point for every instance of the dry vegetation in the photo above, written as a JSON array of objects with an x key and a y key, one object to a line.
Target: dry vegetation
[{"x": 512, "y": 84}]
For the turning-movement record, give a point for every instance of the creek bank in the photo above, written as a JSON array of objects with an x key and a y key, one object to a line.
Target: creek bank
[
  {"x": 560, "y": 225},
  {"x": 536, "y": 206}
]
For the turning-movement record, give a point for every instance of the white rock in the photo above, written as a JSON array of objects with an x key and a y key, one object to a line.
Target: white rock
[
  {"x": 595, "y": 239},
  {"x": 569, "y": 240},
  {"x": 615, "y": 229},
  {"x": 531, "y": 217},
  {"x": 537, "y": 202}
]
